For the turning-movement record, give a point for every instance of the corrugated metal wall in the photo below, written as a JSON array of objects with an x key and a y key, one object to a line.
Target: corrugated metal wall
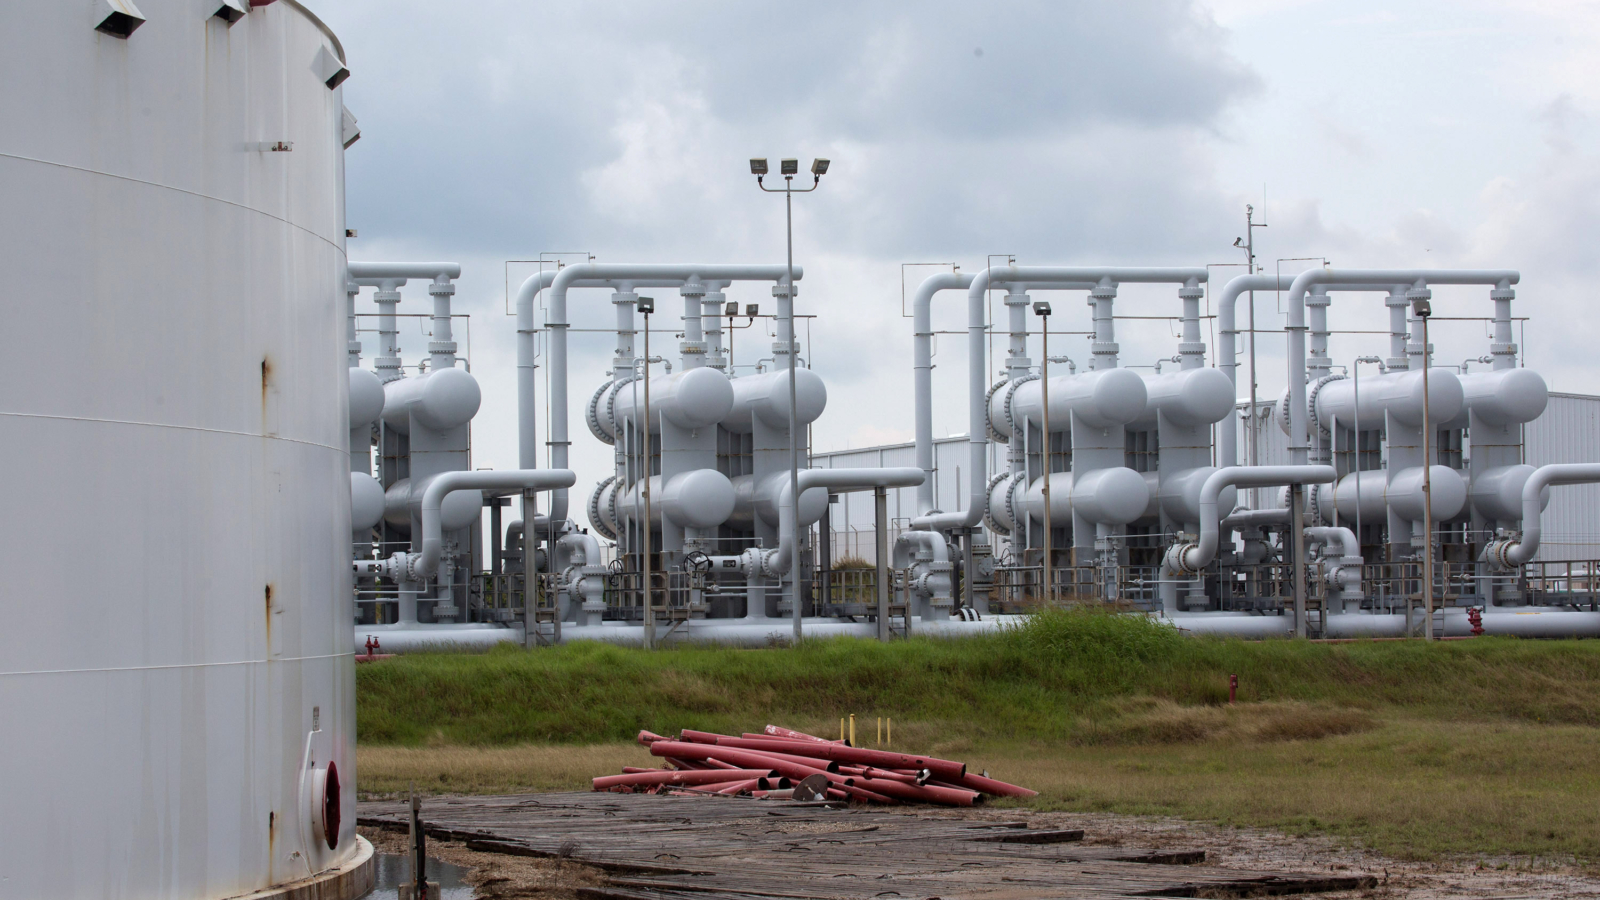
[{"x": 852, "y": 515}]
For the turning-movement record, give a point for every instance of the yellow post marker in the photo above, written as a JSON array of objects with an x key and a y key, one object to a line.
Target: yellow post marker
[
  {"x": 880, "y": 731},
  {"x": 890, "y": 741},
  {"x": 852, "y": 729},
  {"x": 841, "y": 729}
]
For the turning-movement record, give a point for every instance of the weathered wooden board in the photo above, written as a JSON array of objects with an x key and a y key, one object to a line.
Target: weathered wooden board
[{"x": 667, "y": 848}]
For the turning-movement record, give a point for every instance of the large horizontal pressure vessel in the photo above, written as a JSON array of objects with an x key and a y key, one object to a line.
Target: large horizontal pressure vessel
[
  {"x": 367, "y": 502},
  {"x": 1398, "y": 393},
  {"x": 692, "y": 399},
  {"x": 1187, "y": 397},
  {"x": 766, "y": 396},
  {"x": 701, "y": 498},
  {"x": 366, "y": 398},
  {"x": 813, "y": 501},
  {"x": 1114, "y": 496},
  {"x": 1505, "y": 397},
  {"x": 1180, "y": 493},
  {"x": 438, "y": 400},
  {"x": 1497, "y": 493},
  {"x": 1447, "y": 488},
  {"x": 175, "y": 381},
  {"x": 1364, "y": 492},
  {"x": 1101, "y": 399},
  {"x": 402, "y": 504}
]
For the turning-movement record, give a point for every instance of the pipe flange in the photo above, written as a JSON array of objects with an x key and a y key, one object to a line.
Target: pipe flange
[
  {"x": 1191, "y": 293},
  {"x": 386, "y": 297},
  {"x": 1103, "y": 292},
  {"x": 442, "y": 347},
  {"x": 779, "y": 290},
  {"x": 988, "y": 401},
  {"x": 1500, "y": 293},
  {"x": 1311, "y": 401},
  {"x": 1176, "y": 558},
  {"x": 690, "y": 348},
  {"x": 1007, "y": 408},
  {"x": 442, "y": 290},
  {"x": 595, "y": 518},
  {"x": 988, "y": 511},
  {"x": 591, "y": 414},
  {"x": 692, "y": 290}
]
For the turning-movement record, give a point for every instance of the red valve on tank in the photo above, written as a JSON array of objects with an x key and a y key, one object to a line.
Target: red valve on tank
[{"x": 1475, "y": 619}]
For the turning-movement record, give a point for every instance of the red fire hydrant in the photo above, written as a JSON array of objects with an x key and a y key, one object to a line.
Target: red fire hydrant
[
  {"x": 1475, "y": 619},
  {"x": 1233, "y": 688},
  {"x": 372, "y": 645}
]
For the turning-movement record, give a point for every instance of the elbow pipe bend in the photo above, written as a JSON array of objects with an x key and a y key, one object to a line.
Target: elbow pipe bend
[
  {"x": 1189, "y": 558},
  {"x": 1299, "y": 436},
  {"x": 778, "y": 562},
  {"x": 427, "y": 562},
  {"x": 1512, "y": 553},
  {"x": 922, "y": 375},
  {"x": 1341, "y": 536}
]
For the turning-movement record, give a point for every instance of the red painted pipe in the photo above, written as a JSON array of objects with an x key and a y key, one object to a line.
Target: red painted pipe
[
  {"x": 997, "y": 788},
  {"x": 649, "y": 737},
  {"x": 900, "y": 791},
  {"x": 749, "y": 758},
  {"x": 986, "y": 785},
  {"x": 944, "y": 768},
  {"x": 635, "y": 770},
  {"x": 871, "y": 772},
  {"x": 711, "y": 776},
  {"x": 775, "y": 731}
]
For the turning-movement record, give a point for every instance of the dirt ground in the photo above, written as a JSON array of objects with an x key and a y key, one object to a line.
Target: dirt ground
[{"x": 501, "y": 877}]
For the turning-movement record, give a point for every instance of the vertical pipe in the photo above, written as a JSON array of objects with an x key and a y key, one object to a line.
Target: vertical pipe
[
  {"x": 1427, "y": 480},
  {"x": 1104, "y": 348},
  {"x": 1297, "y": 556},
  {"x": 644, "y": 531},
  {"x": 1318, "y": 363},
  {"x": 966, "y": 564},
  {"x": 1502, "y": 348},
  {"x": 825, "y": 549},
  {"x": 1398, "y": 333},
  {"x": 442, "y": 349},
  {"x": 880, "y": 527},
  {"x": 1044, "y": 406},
  {"x": 388, "y": 365},
  {"x": 1191, "y": 349},
  {"x": 352, "y": 344},
  {"x": 693, "y": 348},
  {"x": 711, "y": 322}
]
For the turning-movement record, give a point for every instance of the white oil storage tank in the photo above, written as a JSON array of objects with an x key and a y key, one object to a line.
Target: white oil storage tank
[{"x": 176, "y": 666}]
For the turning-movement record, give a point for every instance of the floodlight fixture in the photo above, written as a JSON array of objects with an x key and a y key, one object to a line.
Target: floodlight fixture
[
  {"x": 1041, "y": 308},
  {"x": 819, "y": 167},
  {"x": 647, "y": 305},
  {"x": 789, "y": 166},
  {"x": 758, "y": 167}
]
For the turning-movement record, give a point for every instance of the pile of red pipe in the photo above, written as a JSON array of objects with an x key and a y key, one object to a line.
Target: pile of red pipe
[{"x": 784, "y": 764}]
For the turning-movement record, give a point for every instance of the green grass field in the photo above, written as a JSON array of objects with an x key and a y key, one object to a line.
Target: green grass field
[{"x": 1478, "y": 747}]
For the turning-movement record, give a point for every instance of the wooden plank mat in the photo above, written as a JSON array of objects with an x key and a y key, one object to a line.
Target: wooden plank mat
[{"x": 676, "y": 848}]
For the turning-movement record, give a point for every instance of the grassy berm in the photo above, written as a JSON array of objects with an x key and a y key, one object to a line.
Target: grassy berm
[{"x": 1484, "y": 747}]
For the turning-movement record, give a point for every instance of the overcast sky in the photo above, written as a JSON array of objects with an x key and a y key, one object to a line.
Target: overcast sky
[{"x": 1452, "y": 133}]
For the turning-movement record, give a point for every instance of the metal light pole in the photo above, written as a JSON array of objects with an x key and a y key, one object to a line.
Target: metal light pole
[
  {"x": 1042, "y": 309},
  {"x": 647, "y": 305},
  {"x": 789, "y": 168},
  {"x": 1248, "y": 245},
  {"x": 1422, "y": 309}
]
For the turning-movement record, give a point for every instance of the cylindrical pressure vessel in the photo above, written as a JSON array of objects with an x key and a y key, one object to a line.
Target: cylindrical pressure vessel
[
  {"x": 1102, "y": 398},
  {"x": 178, "y": 702},
  {"x": 1399, "y": 393},
  {"x": 766, "y": 396},
  {"x": 692, "y": 399}
]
